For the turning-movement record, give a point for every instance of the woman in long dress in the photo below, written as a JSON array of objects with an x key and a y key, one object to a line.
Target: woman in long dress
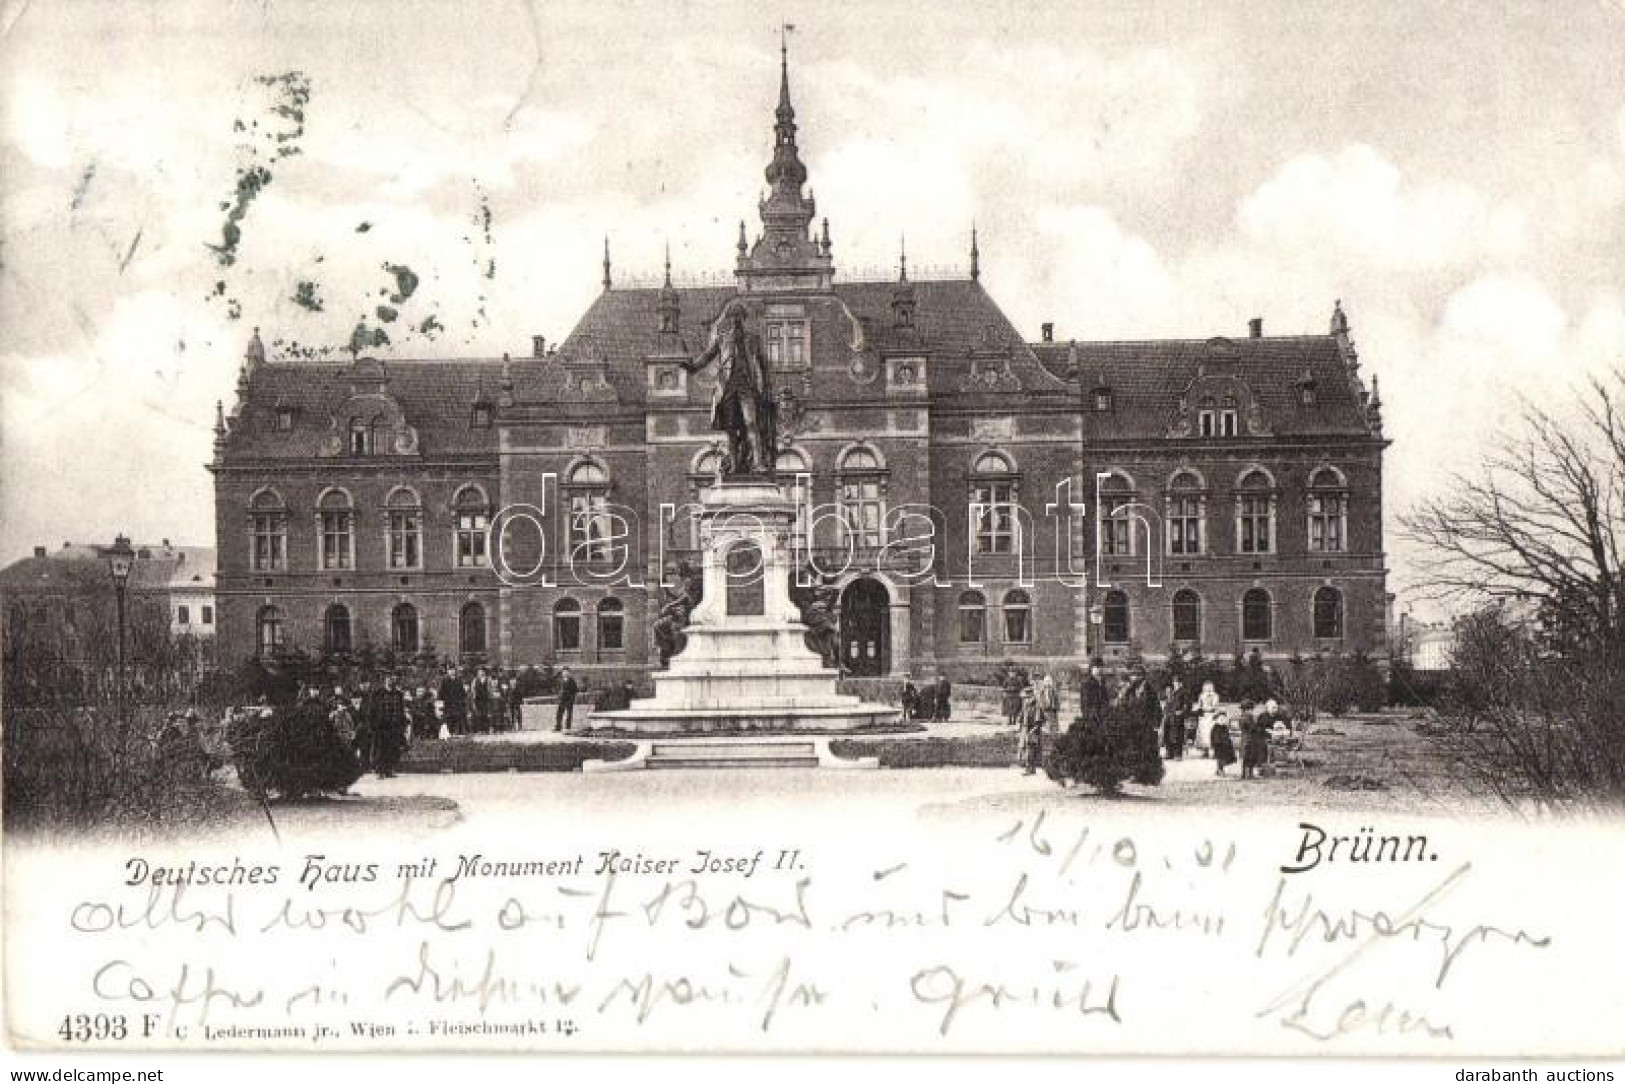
[{"x": 1208, "y": 706}]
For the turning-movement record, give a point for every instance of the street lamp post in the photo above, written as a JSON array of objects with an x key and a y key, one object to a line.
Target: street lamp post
[{"x": 120, "y": 558}]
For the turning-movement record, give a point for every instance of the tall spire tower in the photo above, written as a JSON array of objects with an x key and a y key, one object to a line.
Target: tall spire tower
[{"x": 786, "y": 256}]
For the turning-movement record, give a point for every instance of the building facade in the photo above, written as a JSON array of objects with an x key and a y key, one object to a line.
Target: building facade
[{"x": 973, "y": 496}]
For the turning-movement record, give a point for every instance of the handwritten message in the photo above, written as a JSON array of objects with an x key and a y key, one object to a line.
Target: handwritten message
[{"x": 1026, "y": 931}]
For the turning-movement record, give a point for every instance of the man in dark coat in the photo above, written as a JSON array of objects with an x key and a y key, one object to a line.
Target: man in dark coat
[
  {"x": 944, "y": 703},
  {"x": 1094, "y": 696},
  {"x": 564, "y": 719},
  {"x": 389, "y": 725},
  {"x": 454, "y": 698},
  {"x": 481, "y": 697},
  {"x": 1176, "y": 706}
]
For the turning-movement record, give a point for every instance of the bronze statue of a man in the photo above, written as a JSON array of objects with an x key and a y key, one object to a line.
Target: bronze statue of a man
[{"x": 742, "y": 403}]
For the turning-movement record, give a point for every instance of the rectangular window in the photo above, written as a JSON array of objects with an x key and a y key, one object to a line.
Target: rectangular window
[
  {"x": 1227, "y": 423},
  {"x": 589, "y": 527},
  {"x": 1326, "y": 522},
  {"x": 269, "y": 543},
  {"x": 1117, "y": 537},
  {"x": 1253, "y": 520},
  {"x": 208, "y": 615},
  {"x": 1185, "y": 526},
  {"x": 181, "y": 616},
  {"x": 471, "y": 540},
  {"x": 863, "y": 512},
  {"x": 786, "y": 342},
  {"x": 995, "y": 508},
  {"x": 405, "y": 540},
  {"x": 1017, "y": 627},
  {"x": 1208, "y": 427},
  {"x": 336, "y": 529}
]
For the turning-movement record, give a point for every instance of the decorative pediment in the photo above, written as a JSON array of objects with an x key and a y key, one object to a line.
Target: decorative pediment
[
  {"x": 370, "y": 420},
  {"x": 587, "y": 381},
  {"x": 1217, "y": 403},
  {"x": 989, "y": 373}
]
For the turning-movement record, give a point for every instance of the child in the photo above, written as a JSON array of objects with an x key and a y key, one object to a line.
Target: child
[{"x": 1224, "y": 750}]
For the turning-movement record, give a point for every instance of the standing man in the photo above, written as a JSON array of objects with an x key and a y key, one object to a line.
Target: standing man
[
  {"x": 389, "y": 725},
  {"x": 1175, "y": 707},
  {"x": 455, "y": 699},
  {"x": 568, "y": 689},
  {"x": 1094, "y": 697},
  {"x": 944, "y": 706},
  {"x": 481, "y": 698}
]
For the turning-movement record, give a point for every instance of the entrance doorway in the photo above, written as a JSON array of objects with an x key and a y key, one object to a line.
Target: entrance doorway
[{"x": 866, "y": 628}]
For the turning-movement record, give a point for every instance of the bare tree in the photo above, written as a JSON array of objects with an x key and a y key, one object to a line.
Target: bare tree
[{"x": 1538, "y": 524}]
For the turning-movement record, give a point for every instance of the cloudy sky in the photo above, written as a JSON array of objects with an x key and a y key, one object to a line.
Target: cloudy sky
[{"x": 1454, "y": 171}]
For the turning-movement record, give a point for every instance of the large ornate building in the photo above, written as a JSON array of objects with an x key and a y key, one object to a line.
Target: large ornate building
[{"x": 1231, "y": 488}]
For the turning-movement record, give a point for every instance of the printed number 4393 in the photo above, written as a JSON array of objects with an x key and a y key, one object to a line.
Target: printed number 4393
[{"x": 84, "y": 1028}]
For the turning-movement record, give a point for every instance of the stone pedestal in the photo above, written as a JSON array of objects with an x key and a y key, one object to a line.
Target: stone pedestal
[{"x": 746, "y": 665}]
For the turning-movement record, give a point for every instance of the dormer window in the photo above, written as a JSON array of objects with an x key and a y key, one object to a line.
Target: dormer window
[
  {"x": 482, "y": 416},
  {"x": 1103, "y": 400},
  {"x": 786, "y": 343},
  {"x": 360, "y": 438},
  {"x": 284, "y": 418},
  {"x": 1306, "y": 388}
]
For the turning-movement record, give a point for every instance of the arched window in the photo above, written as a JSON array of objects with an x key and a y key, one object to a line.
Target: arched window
[
  {"x": 336, "y": 630},
  {"x": 1328, "y": 614},
  {"x": 1114, "y": 623},
  {"x": 471, "y": 629},
  {"x": 994, "y": 493},
  {"x": 1257, "y": 616},
  {"x": 1018, "y": 612},
  {"x": 268, "y": 630},
  {"x": 586, "y": 493},
  {"x": 268, "y": 532},
  {"x": 794, "y": 475},
  {"x": 611, "y": 625},
  {"x": 1327, "y": 505},
  {"x": 404, "y": 629},
  {"x": 335, "y": 519},
  {"x": 1186, "y": 515},
  {"x": 1117, "y": 524},
  {"x": 863, "y": 498},
  {"x": 1255, "y": 513},
  {"x": 972, "y": 618},
  {"x": 567, "y": 625},
  {"x": 1187, "y": 616},
  {"x": 405, "y": 528},
  {"x": 472, "y": 512}
]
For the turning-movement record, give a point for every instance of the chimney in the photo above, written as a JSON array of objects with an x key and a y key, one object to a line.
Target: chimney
[
  {"x": 538, "y": 346},
  {"x": 1048, "y": 331},
  {"x": 39, "y": 551},
  {"x": 1255, "y": 328}
]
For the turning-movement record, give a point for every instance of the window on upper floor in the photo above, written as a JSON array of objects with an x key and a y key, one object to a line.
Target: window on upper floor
[
  {"x": 1186, "y": 515},
  {"x": 567, "y": 625},
  {"x": 1255, "y": 513},
  {"x": 786, "y": 343},
  {"x": 586, "y": 492},
  {"x": 183, "y": 615},
  {"x": 268, "y": 532},
  {"x": 863, "y": 497},
  {"x": 208, "y": 615},
  {"x": 405, "y": 529},
  {"x": 1327, "y": 506},
  {"x": 335, "y": 520},
  {"x": 1117, "y": 515},
  {"x": 472, "y": 513},
  {"x": 995, "y": 492}
]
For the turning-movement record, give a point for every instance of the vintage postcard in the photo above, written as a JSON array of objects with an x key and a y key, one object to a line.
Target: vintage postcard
[{"x": 1025, "y": 528}]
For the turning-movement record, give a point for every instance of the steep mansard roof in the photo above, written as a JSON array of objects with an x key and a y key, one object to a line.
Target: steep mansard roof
[{"x": 600, "y": 368}]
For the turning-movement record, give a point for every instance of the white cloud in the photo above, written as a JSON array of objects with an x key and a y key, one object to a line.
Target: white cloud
[{"x": 1356, "y": 203}]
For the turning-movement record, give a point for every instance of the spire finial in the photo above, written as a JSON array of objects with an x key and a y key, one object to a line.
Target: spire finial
[
  {"x": 219, "y": 418},
  {"x": 975, "y": 255},
  {"x": 1340, "y": 320},
  {"x": 826, "y": 237},
  {"x": 668, "y": 265},
  {"x": 741, "y": 246},
  {"x": 607, "y": 279},
  {"x": 902, "y": 257},
  {"x": 784, "y": 68}
]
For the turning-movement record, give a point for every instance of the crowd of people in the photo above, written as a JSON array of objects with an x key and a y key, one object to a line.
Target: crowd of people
[{"x": 1174, "y": 719}]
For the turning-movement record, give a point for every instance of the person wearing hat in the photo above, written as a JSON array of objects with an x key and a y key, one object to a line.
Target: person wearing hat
[
  {"x": 1255, "y": 747},
  {"x": 1094, "y": 696}
]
